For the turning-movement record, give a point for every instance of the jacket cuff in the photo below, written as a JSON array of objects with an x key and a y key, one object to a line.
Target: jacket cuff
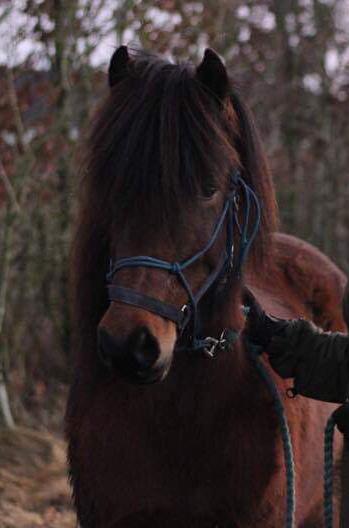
[{"x": 286, "y": 349}]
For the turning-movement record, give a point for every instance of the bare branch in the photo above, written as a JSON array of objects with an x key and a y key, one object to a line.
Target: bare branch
[
  {"x": 16, "y": 111},
  {"x": 9, "y": 188}
]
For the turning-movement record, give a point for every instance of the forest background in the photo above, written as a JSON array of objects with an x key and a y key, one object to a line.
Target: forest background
[{"x": 290, "y": 60}]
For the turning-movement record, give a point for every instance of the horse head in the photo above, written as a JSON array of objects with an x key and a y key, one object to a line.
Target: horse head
[
  {"x": 172, "y": 188},
  {"x": 174, "y": 176}
]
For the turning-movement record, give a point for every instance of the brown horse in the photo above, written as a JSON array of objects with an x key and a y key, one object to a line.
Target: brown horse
[{"x": 160, "y": 435}]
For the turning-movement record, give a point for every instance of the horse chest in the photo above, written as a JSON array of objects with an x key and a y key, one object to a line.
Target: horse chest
[{"x": 187, "y": 452}]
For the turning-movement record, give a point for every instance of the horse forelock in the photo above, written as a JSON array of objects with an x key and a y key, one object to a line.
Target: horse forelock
[
  {"x": 157, "y": 138},
  {"x": 159, "y": 135}
]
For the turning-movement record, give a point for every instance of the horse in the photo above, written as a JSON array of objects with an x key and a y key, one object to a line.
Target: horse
[{"x": 168, "y": 422}]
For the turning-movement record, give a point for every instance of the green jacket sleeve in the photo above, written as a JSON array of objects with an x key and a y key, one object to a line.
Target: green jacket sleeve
[{"x": 318, "y": 361}]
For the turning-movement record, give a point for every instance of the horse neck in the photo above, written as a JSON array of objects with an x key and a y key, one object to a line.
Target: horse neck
[{"x": 223, "y": 309}]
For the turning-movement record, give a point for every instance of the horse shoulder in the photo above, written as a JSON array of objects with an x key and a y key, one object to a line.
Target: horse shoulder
[{"x": 303, "y": 282}]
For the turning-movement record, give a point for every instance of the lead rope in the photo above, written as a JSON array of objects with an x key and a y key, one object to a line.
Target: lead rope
[
  {"x": 288, "y": 450},
  {"x": 328, "y": 472},
  {"x": 285, "y": 435}
]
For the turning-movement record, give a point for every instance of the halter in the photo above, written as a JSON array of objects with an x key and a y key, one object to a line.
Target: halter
[{"x": 189, "y": 311}]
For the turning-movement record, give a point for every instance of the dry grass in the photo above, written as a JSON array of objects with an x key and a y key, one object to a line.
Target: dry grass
[{"x": 33, "y": 483}]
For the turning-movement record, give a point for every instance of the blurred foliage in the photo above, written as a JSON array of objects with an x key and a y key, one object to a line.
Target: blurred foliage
[{"x": 290, "y": 61}]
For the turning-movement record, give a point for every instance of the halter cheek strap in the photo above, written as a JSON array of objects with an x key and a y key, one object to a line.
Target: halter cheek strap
[{"x": 189, "y": 312}]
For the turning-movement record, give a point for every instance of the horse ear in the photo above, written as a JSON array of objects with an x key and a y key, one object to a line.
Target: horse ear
[
  {"x": 213, "y": 74},
  {"x": 118, "y": 65}
]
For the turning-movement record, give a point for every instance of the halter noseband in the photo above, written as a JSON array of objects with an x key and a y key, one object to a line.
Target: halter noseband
[{"x": 189, "y": 311}]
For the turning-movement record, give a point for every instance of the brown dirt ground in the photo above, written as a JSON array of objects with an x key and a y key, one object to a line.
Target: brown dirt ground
[{"x": 34, "y": 491}]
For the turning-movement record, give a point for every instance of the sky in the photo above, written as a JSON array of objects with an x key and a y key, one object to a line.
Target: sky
[{"x": 16, "y": 44}]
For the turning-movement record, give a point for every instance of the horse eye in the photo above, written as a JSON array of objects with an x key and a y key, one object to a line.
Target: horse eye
[{"x": 209, "y": 190}]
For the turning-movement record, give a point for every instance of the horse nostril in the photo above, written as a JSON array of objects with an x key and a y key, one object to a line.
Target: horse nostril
[
  {"x": 144, "y": 347},
  {"x": 136, "y": 354}
]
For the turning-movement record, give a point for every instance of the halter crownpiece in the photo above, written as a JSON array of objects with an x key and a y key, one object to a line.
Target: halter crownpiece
[{"x": 188, "y": 313}]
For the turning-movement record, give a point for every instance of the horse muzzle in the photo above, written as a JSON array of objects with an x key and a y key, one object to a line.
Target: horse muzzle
[{"x": 138, "y": 357}]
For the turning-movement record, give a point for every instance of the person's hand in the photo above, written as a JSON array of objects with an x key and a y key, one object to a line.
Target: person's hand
[{"x": 260, "y": 326}]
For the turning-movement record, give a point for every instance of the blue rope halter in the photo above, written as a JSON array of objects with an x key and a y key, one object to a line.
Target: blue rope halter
[{"x": 189, "y": 311}]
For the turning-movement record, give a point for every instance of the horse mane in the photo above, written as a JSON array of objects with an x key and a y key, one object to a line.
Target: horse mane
[{"x": 147, "y": 154}]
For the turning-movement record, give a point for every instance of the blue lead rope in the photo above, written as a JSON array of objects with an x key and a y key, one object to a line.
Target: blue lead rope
[
  {"x": 285, "y": 435},
  {"x": 328, "y": 472},
  {"x": 288, "y": 450}
]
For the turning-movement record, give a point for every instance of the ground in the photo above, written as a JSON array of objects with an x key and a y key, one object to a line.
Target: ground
[{"x": 34, "y": 491}]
